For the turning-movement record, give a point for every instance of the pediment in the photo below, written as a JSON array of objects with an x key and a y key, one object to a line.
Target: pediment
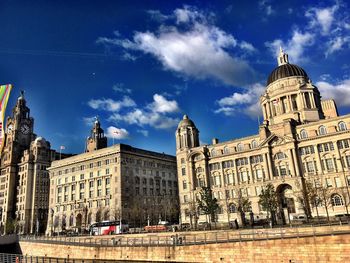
[{"x": 275, "y": 140}]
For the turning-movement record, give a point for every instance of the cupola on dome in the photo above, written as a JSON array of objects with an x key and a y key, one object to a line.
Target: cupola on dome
[
  {"x": 285, "y": 70},
  {"x": 186, "y": 122}
]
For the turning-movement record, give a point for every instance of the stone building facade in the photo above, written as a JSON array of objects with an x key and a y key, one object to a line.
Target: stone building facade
[
  {"x": 302, "y": 139},
  {"x": 110, "y": 183},
  {"x": 24, "y": 181}
]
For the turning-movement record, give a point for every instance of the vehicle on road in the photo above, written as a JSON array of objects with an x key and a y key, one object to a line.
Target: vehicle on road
[{"x": 109, "y": 228}]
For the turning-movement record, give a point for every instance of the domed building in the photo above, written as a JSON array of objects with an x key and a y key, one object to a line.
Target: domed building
[{"x": 301, "y": 143}]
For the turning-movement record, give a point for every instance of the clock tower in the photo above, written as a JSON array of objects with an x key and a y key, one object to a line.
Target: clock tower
[{"x": 18, "y": 137}]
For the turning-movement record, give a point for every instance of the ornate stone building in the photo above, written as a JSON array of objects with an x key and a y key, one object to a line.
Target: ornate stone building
[
  {"x": 110, "y": 183},
  {"x": 302, "y": 139},
  {"x": 24, "y": 181}
]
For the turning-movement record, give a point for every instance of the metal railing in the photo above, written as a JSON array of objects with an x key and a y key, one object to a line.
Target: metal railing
[
  {"x": 195, "y": 238},
  {"x": 17, "y": 258}
]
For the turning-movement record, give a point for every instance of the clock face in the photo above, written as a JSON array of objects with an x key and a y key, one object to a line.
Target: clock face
[
  {"x": 25, "y": 129},
  {"x": 9, "y": 128}
]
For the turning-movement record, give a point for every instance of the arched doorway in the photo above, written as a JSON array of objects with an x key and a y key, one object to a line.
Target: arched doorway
[
  {"x": 78, "y": 222},
  {"x": 286, "y": 202}
]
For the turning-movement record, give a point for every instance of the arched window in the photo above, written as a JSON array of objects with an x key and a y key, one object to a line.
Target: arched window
[
  {"x": 226, "y": 150},
  {"x": 303, "y": 134},
  {"x": 280, "y": 156},
  {"x": 232, "y": 208},
  {"x": 322, "y": 130},
  {"x": 342, "y": 126},
  {"x": 137, "y": 180},
  {"x": 240, "y": 147},
  {"x": 213, "y": 152},
  {"x": 337, "y": 200},
  {"x": 254, "y": 144}
]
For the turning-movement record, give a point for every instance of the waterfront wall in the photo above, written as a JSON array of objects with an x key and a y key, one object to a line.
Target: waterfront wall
[{"x": 331, "y": 248}]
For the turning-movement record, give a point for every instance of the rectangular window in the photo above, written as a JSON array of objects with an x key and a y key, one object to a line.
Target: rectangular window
[
  {"x": 329, "y": 182},
  {"x": 91, "y": 184},
  {"x": 73, "y": 178},
  {"x": 185, "y": 198},
  {"x": 310, "y": 167},
  {"x": 283, "y": 171},
  {"x": 259, "y": 174},
  {"x": 82, "y": 177},
  {"x": 81, "y": 195},
  {"x": 258, "y": 190},
  {"x": 99, "y": 182},
  {"x": 107, "y": 171},
  {"x": 91, "y": 193},
  {"x": 184, "y": 184},
  {"x": 183, "y": 171},
  {"x": 337, "y": 182},
  {"x": 99, "y": 192},
  {"x": 329, "y": 164},
  {"x": 81, "y": 186},
  {"x": 108, "y": 180}
]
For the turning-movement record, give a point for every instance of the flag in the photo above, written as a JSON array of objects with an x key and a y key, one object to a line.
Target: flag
[
  {"x": 4, "y": 97},
  {"x": 62, "y": 147}
]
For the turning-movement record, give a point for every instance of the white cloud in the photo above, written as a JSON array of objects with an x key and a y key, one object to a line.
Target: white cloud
[
  {"x": 110, "y": 104},
  {"x": 89, "y": 120},
  {"x": 119, "y": 87},
  {"x": 143, "y": 118},
  {"x": 201, "y": 50},
  {"x": 161, "y": 104},
  {"x": 154, "y": 114},
  {"x": 295, "y": 46},
  {"x": 266, "y": 6},
  {"x": 322, "y": 18},
  {"x": 143, "y": 132},
  {"x": 117, "y": 133},
  {"x": 336, "y": 44},
  {"x": 327, "y": 27},
  {"x": 246, "y": 102},
  {"x": 339, "y": 91}
]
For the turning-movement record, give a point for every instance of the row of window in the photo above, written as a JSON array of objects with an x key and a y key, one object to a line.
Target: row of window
[
  {"x": 322, "y": 130},
  {"x": 239, "y": 148}
]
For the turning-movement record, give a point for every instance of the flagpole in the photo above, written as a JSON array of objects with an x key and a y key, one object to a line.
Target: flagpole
[{"x": 60, "y": 153}]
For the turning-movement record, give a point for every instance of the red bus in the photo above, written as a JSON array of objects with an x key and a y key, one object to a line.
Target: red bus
[{"x": 109, "y": 228}]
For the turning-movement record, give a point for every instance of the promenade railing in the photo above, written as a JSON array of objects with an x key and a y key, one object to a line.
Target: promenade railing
[{"x": 194, "y": 238}]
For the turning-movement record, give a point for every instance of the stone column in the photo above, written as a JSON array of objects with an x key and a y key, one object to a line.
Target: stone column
[
  {"x": 318, "y": 161},
  {"x": 271, "y": 172},
  {"x": 295, "y": 162},
  {"x": 291, "y": 162}
]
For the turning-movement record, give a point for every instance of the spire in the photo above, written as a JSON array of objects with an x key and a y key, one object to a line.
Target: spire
[
  {"x": 282, "y": 58},
  {"x": 21, "y": 97}
]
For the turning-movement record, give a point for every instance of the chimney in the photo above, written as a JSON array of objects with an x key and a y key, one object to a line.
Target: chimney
[{"x": 215, "y": 141}]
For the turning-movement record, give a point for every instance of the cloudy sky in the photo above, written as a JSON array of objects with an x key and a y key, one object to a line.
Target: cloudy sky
[{"x": 141, "y": 65}]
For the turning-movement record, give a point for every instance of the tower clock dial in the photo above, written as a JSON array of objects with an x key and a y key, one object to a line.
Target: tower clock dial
[
  {"x": 9, "y": 128},
  {"x": 25, "y": 129}
]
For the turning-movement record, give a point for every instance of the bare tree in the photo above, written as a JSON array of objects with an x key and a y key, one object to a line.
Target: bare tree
[{"x": 243, "y": 205}]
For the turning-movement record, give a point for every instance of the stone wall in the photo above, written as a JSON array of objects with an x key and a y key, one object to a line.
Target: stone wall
[{"x": 333, "y": 248}]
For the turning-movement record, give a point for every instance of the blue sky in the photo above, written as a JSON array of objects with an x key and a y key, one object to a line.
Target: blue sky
[{"x": 141, "y": 65}]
